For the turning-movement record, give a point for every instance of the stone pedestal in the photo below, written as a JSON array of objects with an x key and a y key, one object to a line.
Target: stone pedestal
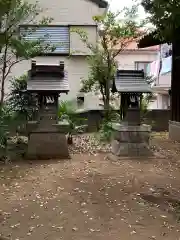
[
  {"x": 133, "y": 117},
  {"x": 131, "y": 141},
  {"x": 174, "y": 131},
  {"x": 49, "y": 143},
  {"x": 46, "y": 139}
]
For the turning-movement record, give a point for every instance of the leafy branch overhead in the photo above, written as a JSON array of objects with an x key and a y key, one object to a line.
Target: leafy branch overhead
[
  {"x": 165, "y": 15},
  {"x": 14, "y": 42},
  {"x": 115, "y": 32}
]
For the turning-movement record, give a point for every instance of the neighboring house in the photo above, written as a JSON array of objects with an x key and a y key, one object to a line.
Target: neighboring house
[
  {"x": 162, "y": 81},
  {"x": 67, "y": 14},
  {"x": 133, "y": 58}
]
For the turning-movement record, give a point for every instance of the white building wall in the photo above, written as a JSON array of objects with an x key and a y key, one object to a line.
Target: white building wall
[
  {"x": 126, "y": 60},
  {"x": 77, "y": 46},
  {"x": 73, "y": 12},
  {"x": 163, "y": 101},
  {"x": 67, "y": 12},
  {"x": 163, "y": 82}
]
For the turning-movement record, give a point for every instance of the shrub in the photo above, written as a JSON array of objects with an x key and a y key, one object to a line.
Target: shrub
[
  {"x": 23, "y": 103},
  {"x": 5, "y": 123},
  {"x": 67, "y": 111}
]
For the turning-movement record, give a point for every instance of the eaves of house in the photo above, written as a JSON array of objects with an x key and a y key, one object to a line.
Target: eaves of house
[
  {"x": 132, "y": 47},
  {"x": 100, "y": 3},
  {"x": 150, "y": 40}
]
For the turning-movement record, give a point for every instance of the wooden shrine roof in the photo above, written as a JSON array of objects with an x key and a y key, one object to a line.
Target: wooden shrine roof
[
  {"x": 131, "y": 81},
  {"x": 44, "y": 77}
]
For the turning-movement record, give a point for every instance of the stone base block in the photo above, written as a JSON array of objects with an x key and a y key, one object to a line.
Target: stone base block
[
  {"x": 47, "y": 146},
  {"x": 130, "y": 149},
  {"x": 119, "y": 149},
  {"x": 131, "y": 141},
  {"x": 174, "y": 131}
]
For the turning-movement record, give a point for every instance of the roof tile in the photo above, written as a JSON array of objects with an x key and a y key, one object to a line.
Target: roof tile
[
  {"x": 127, "y": 81},
  {"x": 48, "y": 84}
]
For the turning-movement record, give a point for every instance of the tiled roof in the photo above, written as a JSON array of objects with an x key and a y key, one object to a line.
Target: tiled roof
[
  {"x": 46, "y": 83},
  {"x": 133, "y": 46},
  {"x": 131, "y": 81}
]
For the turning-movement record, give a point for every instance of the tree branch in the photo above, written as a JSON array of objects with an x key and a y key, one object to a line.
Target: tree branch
[{"x": 12, "y": 64}]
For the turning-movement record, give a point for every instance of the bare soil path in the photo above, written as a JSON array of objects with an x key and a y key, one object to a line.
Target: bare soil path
[{"x": 93, "y": 197}]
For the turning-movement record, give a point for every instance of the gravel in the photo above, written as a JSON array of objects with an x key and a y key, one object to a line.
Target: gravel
[
  {"x": 88, "y": 143},
  {"x": 82, "y": 143}
]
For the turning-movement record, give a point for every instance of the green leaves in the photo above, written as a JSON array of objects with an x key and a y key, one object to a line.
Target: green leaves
[
  {"x": 5, "y": 121},
  {"x": 15, "y": 48},
  {"x": 67, "y": 111},
  {"x": 22, "y": 103},
  {"x": 4, "y": 7},
  {"x": 164, "y": 14},
  {"x": 66, "y": 108},
  {"x": 116, "y": 31}
]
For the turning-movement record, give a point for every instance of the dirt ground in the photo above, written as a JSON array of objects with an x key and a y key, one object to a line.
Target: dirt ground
[{"x": 94, "y": 197}]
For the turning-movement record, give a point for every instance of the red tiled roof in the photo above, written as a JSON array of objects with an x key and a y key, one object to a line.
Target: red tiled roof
[{"x": 134, "y": 46}]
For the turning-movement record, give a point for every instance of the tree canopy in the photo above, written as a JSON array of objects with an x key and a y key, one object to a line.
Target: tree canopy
[
  {"x": 164, "y": 15},
  {"x": 116, "y": 32},
  {"x": 13, "y": 45}
]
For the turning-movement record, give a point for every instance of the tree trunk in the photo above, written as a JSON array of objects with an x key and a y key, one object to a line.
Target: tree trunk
[
  {"x": 3, "y": 75},
  {"x": 107, "y": 98},
  {"x": 102, "y": 93},
  {"x": 107, "y": 89},
  {"x": 175, "y": 78}
]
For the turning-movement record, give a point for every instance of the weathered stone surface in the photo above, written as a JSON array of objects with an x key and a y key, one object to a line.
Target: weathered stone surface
[
  {"x": 115, "y": 146},
  {"x": 144, "y": 149},
  {"x": 44, "y": 145},
  {"x": 119, "y": 149},
  {"x": 31, "y": 126},
  {"x": 131, "y": 140},
  {"x": 139, "y": 137},
  {"x": 133, "y": 117},
  {"x": 62, "y": 127},
  {"x": 131, "y": 136},
  {"x": 121, "y": 136},
  {"x": 174, "y": 131},
  {"x": 132, "y": 149},
  {"x": 145, "y": 136}
]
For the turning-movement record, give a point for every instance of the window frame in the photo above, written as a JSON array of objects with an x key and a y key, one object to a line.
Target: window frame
[
  {"x": 60, "y": 25},
  {"x": 141, "y": 62},
  {"x": 48, "y": 26}
]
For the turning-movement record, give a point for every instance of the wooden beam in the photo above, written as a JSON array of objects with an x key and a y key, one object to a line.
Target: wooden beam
[{"x": 150, "y": 40}]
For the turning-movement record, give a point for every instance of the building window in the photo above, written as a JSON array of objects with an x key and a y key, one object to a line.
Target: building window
[
  {"x": 55, "y": 36},
  {"x": 142, "y": 66}
]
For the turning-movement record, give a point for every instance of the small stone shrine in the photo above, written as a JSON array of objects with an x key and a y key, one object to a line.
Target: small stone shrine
[
  {"x": 47, "y": 139},
  {"x": 130, "y": 138}
]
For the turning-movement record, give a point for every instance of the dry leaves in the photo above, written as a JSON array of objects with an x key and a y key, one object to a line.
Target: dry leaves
[
  {"x": 88, "y": 196},
  {"x": 88, "y": 143}
]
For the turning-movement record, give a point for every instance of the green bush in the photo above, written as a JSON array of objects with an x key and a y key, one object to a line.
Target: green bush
[
  {"x": 66, "y": 108},
  {"x": 6, "y": 120},
  {"x": 105, "y": 131},
  {"x": 23, "y": 103},
  {"x": 19, "y": 107},
  {"x": 67, "y": 111}
]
